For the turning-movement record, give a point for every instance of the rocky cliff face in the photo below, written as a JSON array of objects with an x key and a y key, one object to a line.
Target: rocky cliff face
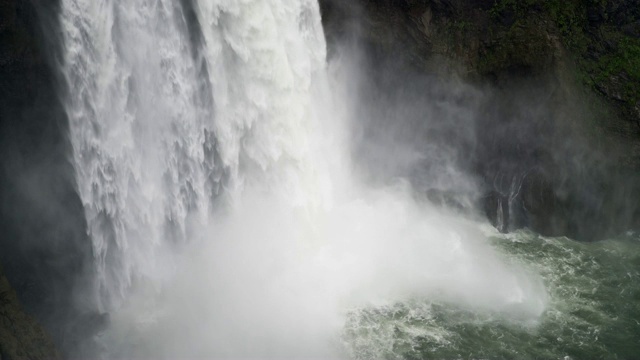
[
  {"x": 43, "y": 239},
  {"x": 556, "y": 146}
]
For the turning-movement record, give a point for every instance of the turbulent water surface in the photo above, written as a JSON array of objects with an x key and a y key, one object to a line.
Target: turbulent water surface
[
  {"x": 214, "y": 162},
  {"x": 592, "y": 314}
]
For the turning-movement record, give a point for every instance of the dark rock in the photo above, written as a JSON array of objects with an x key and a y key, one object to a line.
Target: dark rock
[
  {"x": 446, "y": 199},
  {"x": 44, "y": 247},
  {"x": 539, "y": 63},
  {"x": 632, "y": 29}
]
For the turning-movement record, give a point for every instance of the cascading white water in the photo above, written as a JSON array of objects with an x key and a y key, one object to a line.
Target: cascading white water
[
  {"x": 266, "y": 69},
  {"x": 302, "y": 240},
  {"x": 138, "y": 134}
]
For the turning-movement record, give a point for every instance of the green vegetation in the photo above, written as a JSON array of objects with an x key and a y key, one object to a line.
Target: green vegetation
[
  {"x": 622, "y": 64},
  {"x": 570, "y": 17},
  {"x": 607, "y": 60},
  {"x": 522, "y": 45}
]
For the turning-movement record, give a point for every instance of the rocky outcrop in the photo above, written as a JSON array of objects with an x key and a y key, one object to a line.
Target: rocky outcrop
[
  {"x": 21, "y": 337},
  {"x": 557, "y": 140}
]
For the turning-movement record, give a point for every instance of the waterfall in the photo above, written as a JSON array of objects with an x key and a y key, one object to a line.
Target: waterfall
[
  {"x": 266, "y": 62},
  {"x": 144, "y": 143},
  {"x": 262, "y": 58},
  {"x": 138, "y": 132},
  {"x": 224, "y": 215}
]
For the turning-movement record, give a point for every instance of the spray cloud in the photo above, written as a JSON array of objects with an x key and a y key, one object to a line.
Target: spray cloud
[{"x": 229, "y": 216}]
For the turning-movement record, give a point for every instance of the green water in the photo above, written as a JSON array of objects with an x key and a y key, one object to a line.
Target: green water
[{"x": 593, "y": 310}]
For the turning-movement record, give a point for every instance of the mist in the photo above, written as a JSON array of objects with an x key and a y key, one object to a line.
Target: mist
[
  {"x": 334, "y": 225},
  {"x": 246, "y": 189}
]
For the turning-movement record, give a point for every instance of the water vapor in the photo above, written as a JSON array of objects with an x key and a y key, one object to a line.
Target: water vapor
[{"x": 247, "y": 218}]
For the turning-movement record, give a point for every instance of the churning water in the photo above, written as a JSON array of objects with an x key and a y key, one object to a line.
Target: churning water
[
  {"x": 592, "y": 313},
  {"x": 214, "y": 164}
]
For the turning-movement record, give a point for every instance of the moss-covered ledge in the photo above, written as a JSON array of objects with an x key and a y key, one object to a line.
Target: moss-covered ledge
[{"x": 21, "y": 337}]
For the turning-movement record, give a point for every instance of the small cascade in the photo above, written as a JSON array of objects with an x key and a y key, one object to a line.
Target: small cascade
[{"x": 504, "y": 203}]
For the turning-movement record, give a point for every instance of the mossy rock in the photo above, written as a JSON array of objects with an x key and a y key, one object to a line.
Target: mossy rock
[
  {"x": 525, "y": 45},
  {"x": 21, "y": 337}
]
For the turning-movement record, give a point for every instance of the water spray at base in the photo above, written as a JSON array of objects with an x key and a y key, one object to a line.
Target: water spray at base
[{"x": 268, "y": 260}]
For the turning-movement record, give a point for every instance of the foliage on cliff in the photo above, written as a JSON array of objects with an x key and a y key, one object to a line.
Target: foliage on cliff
[
  {"x": 21, "y": 337},
  {"x": 598, "y": 41},
  {"x": 602, "y": 37}
]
